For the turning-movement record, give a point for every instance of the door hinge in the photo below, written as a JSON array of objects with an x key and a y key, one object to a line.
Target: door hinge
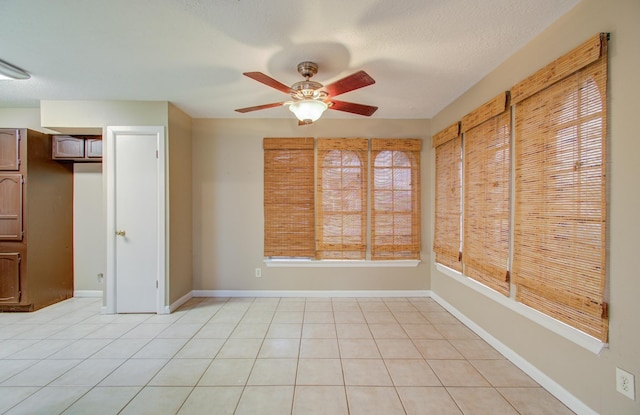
[
  {"x": 157, "y": 154},
  {"x": 156, "y": 283}
]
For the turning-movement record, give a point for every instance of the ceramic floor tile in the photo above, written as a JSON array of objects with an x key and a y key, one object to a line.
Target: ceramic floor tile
[
  {"x": 240, "y": 349},
  {"x": 265, "y": 400},
  {"x": 154, "y": 400},
  {"x": 319, "y": 348},
  {"x": 273, "y": 372},
  {"x": 388, "y": 331},
  {"x": 457, "y": 373},
  {"x": 475, "y": 349},
  {"x": 359, "y": 349},
  {"x": 227, "y": 372},
  {"x": 320, "y": 372},
  {"x": 81, "y": 349},
  {"x": 353, "y": 331},
  {"x": 89, "y": 372},
  {"x": 318, "y": 306},
  {"x": 427, "y": 401},
  {"x": 121, "y": 349},
  {"x": 280, "y": 348},
  {"x": 398, "y": 349},
  {"x": 455, "y": 331},
  {"x": 160, "y": 349},
  {"x": 250, "y": 331},
  {"x": 258, "y": 317},
  {"x": 145, "y": 331},
  {"x": 373, "y": 401},
  {"x": 134, "y": 372},
  {"x": 284, "y": 331},
  {"x": 422, "y": 331},
  {"x": 411, "y": 373},
  {"x": 319, "y": 331},
  {"x": 290, "y": 317},
  {"x": 437, "y": 349},
  {"x": 41, "y": 349},
  {"x": 103, "y": 401},
  {"x": 409, "y": 317},
  {"x": 440, "y": 317},
  {"x": 200, "y": 349},
  {"x": 313, "y": 317},
  {"x": 210, "y": 400},
  {"x": 215, "y": 331},
  {"x": 380, "y": 317},
  {"x": 77, "y": 331},
  {"x": 49, "y": 400},
  {"x": 365, "y": 372},
  {"x": 10, "y": 396},
  {"x": 320, "y": 400},
  {"x": 111, "y": 331},
  {"x": 346, "y": 306},
  {"x": 349, "y": 317},
  {"x": 534, "y": 401},
  {"x": 41, "y": 373},
  {"x": 11, "y": 346},
  {"x": 181, "y": 372},
  {"x": 477, "y": 401},
  {"x": 503, "y": 373},
  {"x": 9, "y": 368}
]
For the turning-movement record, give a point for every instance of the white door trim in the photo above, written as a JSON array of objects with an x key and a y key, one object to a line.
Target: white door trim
[{"x": 108, "y": 166}]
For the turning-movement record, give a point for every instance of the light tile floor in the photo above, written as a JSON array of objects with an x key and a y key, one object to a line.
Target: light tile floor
[{"x": 294, "y": 356}]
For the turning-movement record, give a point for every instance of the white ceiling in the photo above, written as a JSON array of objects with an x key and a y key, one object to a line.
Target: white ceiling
[{"x": 422, "y": 53}]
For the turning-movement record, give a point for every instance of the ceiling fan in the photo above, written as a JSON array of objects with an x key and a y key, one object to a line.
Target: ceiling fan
[{"x": 310, "y": 99}]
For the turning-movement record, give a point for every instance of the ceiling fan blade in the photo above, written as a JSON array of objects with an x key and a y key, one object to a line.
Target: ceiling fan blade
[
  {"x": 260, "y": 107},
  {"x": 269, "y": 81},
  {"x": 366, "y": 110},
  {"x": 357, "y": 80}
]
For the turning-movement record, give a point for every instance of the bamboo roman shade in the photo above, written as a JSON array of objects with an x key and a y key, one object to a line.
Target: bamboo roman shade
[
  {"x": 446, "y": 240},
  {"x": 289, "y": 197},
  {"x": 560, "y": 212},
  {"x": 395, "y": 210},
  {"x": 487, "y": 166},
  {"x": 341, "y": 198}
]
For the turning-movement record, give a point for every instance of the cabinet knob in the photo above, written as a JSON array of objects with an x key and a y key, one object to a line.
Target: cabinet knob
[{"x": 120, "y": 233}]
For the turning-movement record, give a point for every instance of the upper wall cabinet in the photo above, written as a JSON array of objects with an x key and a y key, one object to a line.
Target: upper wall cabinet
[
  {"x": 9, "y": 150},
  {"x": 76, "y": 148}
]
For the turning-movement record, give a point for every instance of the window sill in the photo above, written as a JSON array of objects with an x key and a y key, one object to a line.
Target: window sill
[
  {"x": 584, "y": 340},
  {"x": 311, "y": 263}
]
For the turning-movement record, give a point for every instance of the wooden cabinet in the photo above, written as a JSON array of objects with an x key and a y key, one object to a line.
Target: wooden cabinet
[
  {"x": 76, "y": 148},
  {"x": 36, "y": 222},
  {"x": 9, "y": 150},
  {"x": 9, "y": 277}
]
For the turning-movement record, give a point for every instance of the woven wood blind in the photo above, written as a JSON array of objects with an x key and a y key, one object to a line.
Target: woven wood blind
[
  {"x": 288, "y": 197},
  {"x": 448, "y": 209},
  {"x": 560, "y": 212},
  {"x": 341, "y": 204},
  {"x": 487, "y": 166},
  {"x": 395, "y": 210}
]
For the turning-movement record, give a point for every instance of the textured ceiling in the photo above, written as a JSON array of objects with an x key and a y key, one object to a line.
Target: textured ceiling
[{"x": 422, "y": 53}]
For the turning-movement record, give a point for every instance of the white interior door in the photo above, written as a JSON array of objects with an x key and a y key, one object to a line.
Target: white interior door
[{"x": 136, "y": 219}]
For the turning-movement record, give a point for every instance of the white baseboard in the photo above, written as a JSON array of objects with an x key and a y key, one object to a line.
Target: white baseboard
[
  {"x": 311, "y": 293},
  {"x": 88, "y": 293},
  {"x": 536, "y": 374},
  {"x": 180, "y": 301}
]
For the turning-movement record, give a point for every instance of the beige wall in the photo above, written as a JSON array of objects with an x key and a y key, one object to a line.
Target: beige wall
[
  {"x": 89, "y": 238},
  {"x": 588, "y": 377},
  {"x": 228, "y": 207},
  {"x": 179, "y": 229}
]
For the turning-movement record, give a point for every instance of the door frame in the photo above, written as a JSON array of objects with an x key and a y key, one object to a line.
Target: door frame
[{"x": 108, "y": 166}]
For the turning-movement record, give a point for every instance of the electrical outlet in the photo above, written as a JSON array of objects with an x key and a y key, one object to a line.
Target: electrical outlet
[
  {"x": 258, "y": 272},
  {"x": 625, "y": 384}
]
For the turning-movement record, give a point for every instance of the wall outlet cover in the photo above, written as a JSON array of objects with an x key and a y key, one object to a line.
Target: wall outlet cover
[{"x": 625, "y": 383}]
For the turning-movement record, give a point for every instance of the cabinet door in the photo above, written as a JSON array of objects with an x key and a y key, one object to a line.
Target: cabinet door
[
  {"x": 9, "y": 149},
  {"x": 11, "y": 207},
  {"x": 9, "y": 277},
  {"x": 67, "y": 147},
  {"x": 93, "y": 147}
]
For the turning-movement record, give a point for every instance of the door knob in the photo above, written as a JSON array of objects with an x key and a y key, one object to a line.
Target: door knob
[{"x": 120, "y": 233}]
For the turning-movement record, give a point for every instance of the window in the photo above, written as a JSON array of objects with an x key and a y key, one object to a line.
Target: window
[
  {"x": 395, "y": 211},
  {"x": 288, "y": 197},
  {"x": 341, "y": 221},
  {"x": 448, "y": 211},
  {"x": 487, "y": 165},
  {"x": 558, "y": 258},
  {"x": 337, "y": 228}
]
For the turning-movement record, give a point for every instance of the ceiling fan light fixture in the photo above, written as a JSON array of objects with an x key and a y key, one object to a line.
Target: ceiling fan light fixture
[
  {"x": 8, "y": 71},
  {"x": 308, "y": 109}
]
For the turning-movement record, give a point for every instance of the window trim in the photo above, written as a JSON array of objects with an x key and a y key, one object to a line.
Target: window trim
[{"x": 337, "y": 263}]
